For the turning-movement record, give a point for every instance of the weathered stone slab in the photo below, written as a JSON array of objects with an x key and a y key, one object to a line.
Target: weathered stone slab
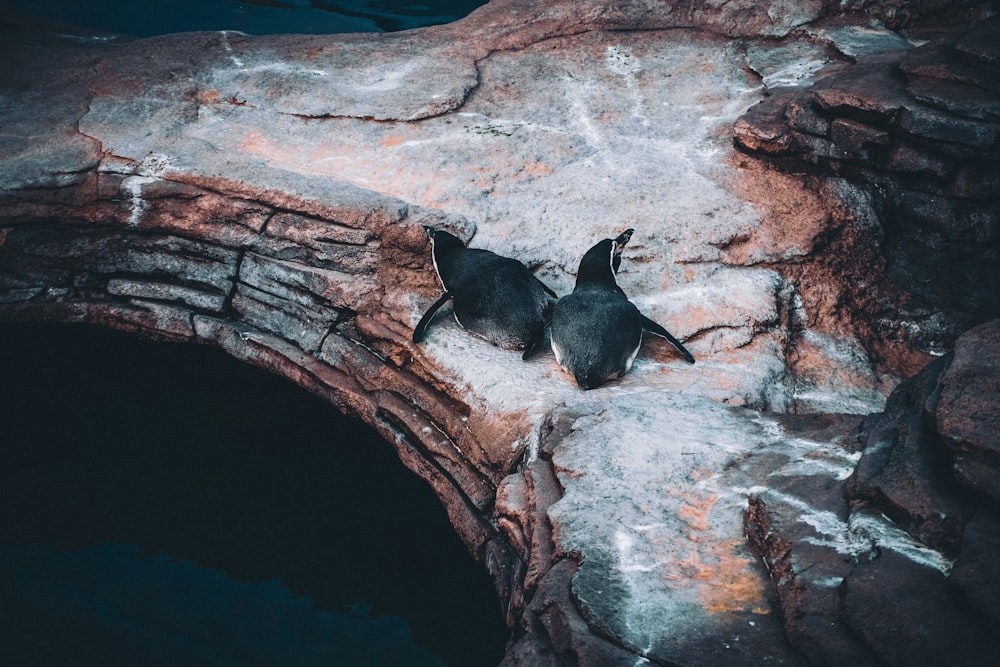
[
  {"x": 938, "y": 126},
  {"x": 359, "y": 77},
  {"x": 909, "y": 160},
  {"x": 868, "y": 91},
  {"x": 308, "y": 286},
  {"x": 920, "y": 623},
  {"x": 764, "y": 128},
  {"x": 791, "y": 64},
  {"x": 960, "y": 98},
  {"x": 160, "y": 291},
  {"x": 977, "y": 570},
  {"x": 697, "y": 600},
  {"x": 147, "y": 202},
  {"x": 319, "y": 243},
  {"x": 82, "y": 251},
  {"x": 900, "y": 473},
  {"x": 306, "y": 327},
  {"x": 855, "y": 41},
  {"x": 940, "y": 61},
  {"x": 966, "y": 414}
]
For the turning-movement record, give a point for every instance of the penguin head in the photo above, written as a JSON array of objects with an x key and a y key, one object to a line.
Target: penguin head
[
  {"x": 600, "y": 264},
  {"x": 442, "y": 244},
  {"x": 443, "y": 252},
  {"x": 442, "y": 240}
]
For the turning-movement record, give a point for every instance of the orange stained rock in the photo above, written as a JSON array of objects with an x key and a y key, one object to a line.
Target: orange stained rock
[
  {"x": 393, "y": 140},
  {"x": 723, "y": 579},
  {"x": 696, "y": 515},
  {"x": 254, "y": 142},
  {"x": 207, "y": 96},
  {"x": 531, "y": 170},
  {"x": 736, "y": 587}
]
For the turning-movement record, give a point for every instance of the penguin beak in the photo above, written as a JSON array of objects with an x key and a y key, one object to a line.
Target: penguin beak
[
  {"x": 621, "y": 240},
  {"x": 616, "y": 249}
]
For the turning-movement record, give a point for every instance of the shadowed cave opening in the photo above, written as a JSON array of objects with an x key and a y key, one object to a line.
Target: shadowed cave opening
[{"x": 164, "y": 503}]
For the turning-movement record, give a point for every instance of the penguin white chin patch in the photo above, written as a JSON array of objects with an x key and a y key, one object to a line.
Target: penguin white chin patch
[
  {"x": 437, "y": 271},
  {"x": 631, "y": 357}
]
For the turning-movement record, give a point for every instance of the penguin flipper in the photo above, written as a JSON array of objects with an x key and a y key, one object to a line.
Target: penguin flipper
[
  {"x": 548, "y": 289},
  {"x": 420, "y": 331},
  {"x": 533, "y": 344},
  {"x": 654, "y": 328}
]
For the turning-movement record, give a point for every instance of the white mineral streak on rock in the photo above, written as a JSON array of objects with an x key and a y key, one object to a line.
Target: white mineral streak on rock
[
  {"x": 132, "y": 187},
  {"x": 229, "y": 48},
  {"x": 628, "y": 558},
  {"x": 623, "y": 62},
  {"x": 792, "y": 64},
  {"x": 888, "y": 535},
  {"x": 862, "y": 533},
  {"x": 388, "y": 77},
  {"x": 828, "y": 582},
  {"x": 835, "y": 375},
  {"x": 658, "y": 525},
  {"x": 284, "y": 69},
  {"x": 806, "y": 457}
]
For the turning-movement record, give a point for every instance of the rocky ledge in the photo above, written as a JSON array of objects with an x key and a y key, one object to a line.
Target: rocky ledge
[{"x": 268, "y": 194}]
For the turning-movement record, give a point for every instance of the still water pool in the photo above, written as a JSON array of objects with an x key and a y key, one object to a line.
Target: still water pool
[
  {"x": 256, "y": 17},
  {"x": 166, "y": 504}
]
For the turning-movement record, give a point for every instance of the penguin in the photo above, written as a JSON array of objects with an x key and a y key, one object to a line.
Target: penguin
[
  {"x": 596, "y": 330},
  {"x": 495, "y": 298}
]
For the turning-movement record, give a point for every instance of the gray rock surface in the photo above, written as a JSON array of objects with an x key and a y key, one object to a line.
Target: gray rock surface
[
  {"x": 267, "y": 195},
  {"x": 917, "y": 128},
  {"x": 858, "y": 586}
]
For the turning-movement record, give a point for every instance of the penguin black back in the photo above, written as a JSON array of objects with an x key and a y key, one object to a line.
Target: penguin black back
[
  {"x": 596, "y": 330},
  {"x": 496, "y": 298}
]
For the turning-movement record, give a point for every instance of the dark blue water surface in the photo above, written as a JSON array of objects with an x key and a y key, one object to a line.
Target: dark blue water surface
[
  {"x": 256, "y": 17},
  {"x": 164, "y": 504}
]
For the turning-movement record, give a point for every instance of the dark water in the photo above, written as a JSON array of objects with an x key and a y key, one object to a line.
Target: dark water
[
  {"x": 166, "y": 504},
  {"x": 256, "y": 17}
]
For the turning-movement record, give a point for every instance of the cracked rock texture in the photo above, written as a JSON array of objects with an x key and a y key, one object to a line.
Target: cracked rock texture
[{"x": 800, "y": 177}]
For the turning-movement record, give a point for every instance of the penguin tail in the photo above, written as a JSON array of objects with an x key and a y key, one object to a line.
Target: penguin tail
[
  {"x": 654, "y": 328},
  {"x": 420, "y": 331}
]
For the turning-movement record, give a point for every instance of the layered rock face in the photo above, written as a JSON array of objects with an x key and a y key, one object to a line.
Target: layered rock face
[
  {"x": 268, "y": 195},
  {"x": 917, "y": 128},
  {"x": 888, "y": 565}
]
